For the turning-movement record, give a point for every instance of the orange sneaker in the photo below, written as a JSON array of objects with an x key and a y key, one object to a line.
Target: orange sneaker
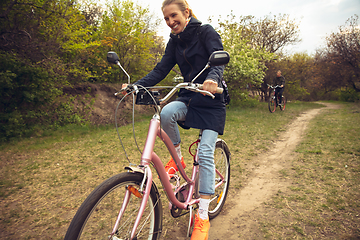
[
  {"x": 201, "y": 229},
  {"x": 171, "y": 167}
]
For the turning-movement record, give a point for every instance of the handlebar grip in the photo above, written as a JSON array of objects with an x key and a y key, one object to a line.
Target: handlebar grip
[{"x": 218, "y": 89}]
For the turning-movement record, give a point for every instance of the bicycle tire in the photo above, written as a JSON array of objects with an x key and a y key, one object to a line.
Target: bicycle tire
[
  {"x": 96, "y": 217},
  {"x": 272, "y": 104},
  {"x": 222, "y": 164},
  {"x": 283, "y": 103}
]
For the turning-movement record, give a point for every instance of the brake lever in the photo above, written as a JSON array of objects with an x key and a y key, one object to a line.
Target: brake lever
[
  {"x": 120, "y": 91},
  {"x": 128, "y": 89},
  {"x": 195, "y": 89},
  {"x": 206, "y": 93}
]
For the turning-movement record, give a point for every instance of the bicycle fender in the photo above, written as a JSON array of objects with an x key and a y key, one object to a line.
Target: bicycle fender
[
  {"x": 134, "y": 169},
  {"x": 225, "y": 145}
]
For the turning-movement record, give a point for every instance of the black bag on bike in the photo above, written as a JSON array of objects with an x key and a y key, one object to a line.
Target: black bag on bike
[{"x": 225, "y": 92}]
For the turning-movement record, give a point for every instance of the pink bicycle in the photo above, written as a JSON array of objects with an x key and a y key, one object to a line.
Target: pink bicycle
[{"x": 128, "y": 205}]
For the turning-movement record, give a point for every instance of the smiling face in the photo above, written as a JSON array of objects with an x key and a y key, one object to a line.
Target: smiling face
[{"x": 175, "y": 18}]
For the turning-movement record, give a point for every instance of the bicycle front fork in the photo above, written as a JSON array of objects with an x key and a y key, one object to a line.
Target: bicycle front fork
[{"x": 145, "y": 197}]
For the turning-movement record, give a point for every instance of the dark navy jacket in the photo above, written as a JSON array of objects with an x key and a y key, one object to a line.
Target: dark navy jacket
[
  {"x": 191, "y": 50},
  {"x": 279, "y": 81}
]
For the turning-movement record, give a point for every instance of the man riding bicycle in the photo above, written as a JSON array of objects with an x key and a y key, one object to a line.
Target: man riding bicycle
[{"x": 279, "y": 80}]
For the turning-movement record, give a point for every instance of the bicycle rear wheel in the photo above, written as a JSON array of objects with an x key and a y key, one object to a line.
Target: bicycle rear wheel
[
  {"x": 222, "y": 165},
  {"x": 95, "y": 219},
  {"x": 283, "y": 103},
  {"x": 272, "y": 104}
]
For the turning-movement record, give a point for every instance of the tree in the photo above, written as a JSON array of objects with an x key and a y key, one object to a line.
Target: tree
[
  {"x": 271, "y": 33},
  {"x": 45, "y": 45},
  {"x": 337, "y": 66},
  {"x": 266, "y": 35},
  {"x": 343, "y": 53},
  {"x": 298, "y": 72},
  {"x": 247, "y": 63},
  {"x": 92, "y": 12},
  {"x": 51, "y": 34},
  {"x": 126, "y": 29}
]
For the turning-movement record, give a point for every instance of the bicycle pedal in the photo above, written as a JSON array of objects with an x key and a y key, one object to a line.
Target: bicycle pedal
[
  {"x": 172, "y": 179},
  {"x": 175, "y": 181},
  {"x": 175, "y": 178},
  {"x": 114, "y": 238}
]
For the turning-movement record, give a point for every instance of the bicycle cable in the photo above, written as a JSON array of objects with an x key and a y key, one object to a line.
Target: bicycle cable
[{"x": 133, "y": 115}]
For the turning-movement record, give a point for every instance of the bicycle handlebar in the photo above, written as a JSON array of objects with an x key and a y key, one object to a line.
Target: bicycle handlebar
[
  {"x": 195, "y": 87},
  {"x": 217, "y": 58},
  {"x": 274, "y": 86},
  {"x": 218, "y": 89}
]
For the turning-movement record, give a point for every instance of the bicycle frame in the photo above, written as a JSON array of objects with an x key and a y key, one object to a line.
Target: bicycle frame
[
  {"x": 149, "y": 156},
  {"x": 272, "y": 95},
  {"x": 272, "y": 101}
]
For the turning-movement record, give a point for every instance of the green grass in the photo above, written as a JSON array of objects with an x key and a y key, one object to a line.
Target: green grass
[
  {"x": 44, "y": 180},
  {"x": 323, "y": 200}
]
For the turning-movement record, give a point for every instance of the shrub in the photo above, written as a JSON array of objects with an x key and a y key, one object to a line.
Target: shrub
[
  {"x": 29, "y": 99},
  {"x": 349, "y": 95}
]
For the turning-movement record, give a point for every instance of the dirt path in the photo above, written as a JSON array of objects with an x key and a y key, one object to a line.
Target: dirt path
[{"x": 264, "y": 181}]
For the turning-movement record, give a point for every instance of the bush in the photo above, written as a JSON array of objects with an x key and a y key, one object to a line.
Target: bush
[
  {"x": 28, "y": 99},
  {"x": 349, "y": 95},
  {"x": 242, "y": 99}
]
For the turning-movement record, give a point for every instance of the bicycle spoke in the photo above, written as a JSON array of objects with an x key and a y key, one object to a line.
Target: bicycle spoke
[
  {"x": 222, "y": 165},
  {"x": 96, "y": 217},
  {"x": 147, "y": 218}
]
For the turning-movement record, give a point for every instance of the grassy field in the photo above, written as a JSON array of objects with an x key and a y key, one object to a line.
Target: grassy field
[
  {"x": 44, "y": 180},
  {"x": 323, "y": 200}
]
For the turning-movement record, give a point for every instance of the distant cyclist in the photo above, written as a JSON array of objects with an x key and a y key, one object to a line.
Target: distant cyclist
[{"x": 279, "y": 80}]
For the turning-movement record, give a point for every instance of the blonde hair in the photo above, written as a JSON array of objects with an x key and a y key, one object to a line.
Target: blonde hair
[{"x": 183, "y": 5}]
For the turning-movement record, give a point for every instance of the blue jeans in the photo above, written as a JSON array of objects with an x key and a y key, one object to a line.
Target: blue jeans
[
  {"x": 176, "y": 111},
  {"x": 278, "y": 94}
]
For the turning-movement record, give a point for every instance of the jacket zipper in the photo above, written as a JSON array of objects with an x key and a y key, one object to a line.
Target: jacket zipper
[{"x": 186, "y": 59}]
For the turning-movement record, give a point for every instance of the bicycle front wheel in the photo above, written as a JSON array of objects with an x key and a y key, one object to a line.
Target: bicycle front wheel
[
  {"x": 222, "y": 165},
  {"x": 272, "y": 104},
  {"x": 283, "y": 103},
  {"x": 95, "y": 219}
]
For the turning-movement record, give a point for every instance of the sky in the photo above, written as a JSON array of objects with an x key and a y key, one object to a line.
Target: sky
[{"x": 316, "y": 18}]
